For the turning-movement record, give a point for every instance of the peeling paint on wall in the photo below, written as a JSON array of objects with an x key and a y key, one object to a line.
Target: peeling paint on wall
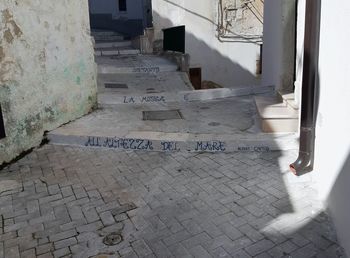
[{"x": 47, "y": 69}]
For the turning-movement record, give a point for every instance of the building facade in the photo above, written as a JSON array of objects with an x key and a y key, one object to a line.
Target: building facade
[
  {"x": 129, "y": 17},
  {"x": 223, "y": 37},
  {"x": 332, "y": 141}
]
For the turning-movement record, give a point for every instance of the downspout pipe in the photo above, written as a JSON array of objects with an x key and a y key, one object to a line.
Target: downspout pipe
[{"x": 304, "y": 163}]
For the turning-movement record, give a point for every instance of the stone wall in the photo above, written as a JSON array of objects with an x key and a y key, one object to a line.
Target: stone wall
[{"x": 47, "y": 69}]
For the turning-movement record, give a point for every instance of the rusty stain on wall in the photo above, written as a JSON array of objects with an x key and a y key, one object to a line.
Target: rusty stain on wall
[
  {"x": 8, "y": 20},
  {"x": 2, "y": 54},
  {"x": 240, "y": 19}
]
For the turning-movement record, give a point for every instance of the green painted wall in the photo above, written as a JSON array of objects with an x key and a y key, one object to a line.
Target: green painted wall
[{"x": 47, "y": 69}]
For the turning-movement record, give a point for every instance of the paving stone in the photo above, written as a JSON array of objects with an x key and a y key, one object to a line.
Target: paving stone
[
  {"x": 90, "y": 227},
  {"x": 199, "y": 252},
  {"x": 65, "y": 243},
  {"x": 47, "y": 255},
  {"x": 307, "y": 251},
  {"x": 259, "y": 247},
  {"x": 141, "y": 248},
  {"x": 107, "y": 218},
  {"x": 61, "y": 252},
  {"x": 63, "y": 235},
  {"x": 90, "y": 215},
  {"x": 43, "y": 249},
  {"x": 28, "y": 253},
  {"x": 196, "y": 240},
  {"x": 67, "y": 191},
  {"x": 177, "y": 237},
  {"x": 12, "y": 252}
]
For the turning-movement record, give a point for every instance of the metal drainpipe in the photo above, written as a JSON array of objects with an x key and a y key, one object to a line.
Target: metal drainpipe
[{"x": 304, "y": 163}]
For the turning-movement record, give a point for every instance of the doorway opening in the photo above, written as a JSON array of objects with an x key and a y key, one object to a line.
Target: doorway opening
[{"x": 127, "y": 17}]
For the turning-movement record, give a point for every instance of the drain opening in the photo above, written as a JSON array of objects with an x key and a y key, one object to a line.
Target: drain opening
[
  {"x": 2, "y": 126},
  {"x": 162, "y": 115},
  {"x": 112, "y": 239},
  {"x": 116, "y": 86}
]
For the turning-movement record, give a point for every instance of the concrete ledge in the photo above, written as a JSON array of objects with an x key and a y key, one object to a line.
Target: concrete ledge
[
  {"x": 182, "y": 96},
  {"x": 170, "y": 142}
]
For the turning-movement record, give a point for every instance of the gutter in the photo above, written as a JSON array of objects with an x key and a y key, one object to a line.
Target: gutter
[{"x": 305, "y": 162}]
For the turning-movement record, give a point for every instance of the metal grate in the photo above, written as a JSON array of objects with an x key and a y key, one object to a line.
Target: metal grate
[
  {"x": 2, "y": 126},
  {"x": 162, "y": 115},
  {"x": 116, "y": 86}
]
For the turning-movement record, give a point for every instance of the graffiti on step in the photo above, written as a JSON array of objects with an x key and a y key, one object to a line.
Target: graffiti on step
[
  {"x": 119, "y": 143},
  {"x": 146, "y": 69},
  {"x": 210, "y": 146},
  {"x": 143, "y": 99},
  {"x": 169, "y": 146},
  {"x": 254, "y": 149}
]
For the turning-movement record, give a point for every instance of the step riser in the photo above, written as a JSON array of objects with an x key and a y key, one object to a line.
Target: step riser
[
  {"x": 117, "y": 52},
  {"x": 279, "y": 125},
  {"x": 104, "y": 33},
  {"x": 113, "y": 44},
  {"x": 214, "y": 146},
  {"x": 104, "y": 69},
  {"x": 107, "y": 99},
  {"x": 108, "y": 38}
]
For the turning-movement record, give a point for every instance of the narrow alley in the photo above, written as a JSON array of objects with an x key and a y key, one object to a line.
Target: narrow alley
[
  {"x": 174, "y": 129},
  {"x": 194, "y": 177}
]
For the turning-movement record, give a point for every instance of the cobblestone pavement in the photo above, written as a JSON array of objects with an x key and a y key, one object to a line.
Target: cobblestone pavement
[{"x": 69, "y": 200}]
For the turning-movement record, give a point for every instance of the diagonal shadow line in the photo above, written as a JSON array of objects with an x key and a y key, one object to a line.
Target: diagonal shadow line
[{"x": 209, "y": 20}]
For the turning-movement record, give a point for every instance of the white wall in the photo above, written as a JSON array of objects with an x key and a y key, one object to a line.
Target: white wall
[
  {"x": 279, "y": 44},
  {"x": 134, "y": 8},
  {"x": 228, "y": 64},
  {"x": 332, "y": 164}
]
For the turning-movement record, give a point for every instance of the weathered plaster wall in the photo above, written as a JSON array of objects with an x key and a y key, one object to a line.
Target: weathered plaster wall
[
  {"x": 279, "y": 44},
  {"x": 47, "y": 69},
  {"x": 229, "y": 64}
]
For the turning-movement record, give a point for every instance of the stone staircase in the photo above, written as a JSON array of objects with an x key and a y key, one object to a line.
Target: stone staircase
[
  {"x": 110, "y": 43},
  {"x": 279, "y": 113}
]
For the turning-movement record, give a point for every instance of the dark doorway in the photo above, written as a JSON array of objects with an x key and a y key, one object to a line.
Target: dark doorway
[
  {"x": 174, "y": 39},
  {"x": 122, "y": 5},
  {"x": 196, "y": 77},
  {"x": 2, "y": 126}
]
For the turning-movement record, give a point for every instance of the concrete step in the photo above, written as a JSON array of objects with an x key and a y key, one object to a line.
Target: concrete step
[
  {"x": 135, "y": 64},
  {"x": 276, "y": 116},
  {"x": 96, "y": 32},
  {"x": 109, "y": 38},
  {"x": 114, "y": 51},
  {"x": 131, "y": 97},
  {"x": 172, "y": 142},
  {"x": 288, "y": 98},
  {"x": 214, "y": 126},
  {"x": 112, "y": 44}
]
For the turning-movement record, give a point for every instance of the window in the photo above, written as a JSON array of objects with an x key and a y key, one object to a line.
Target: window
[
  {"x": 122, "y": 5},
  {"x": 2, "y": 126}
]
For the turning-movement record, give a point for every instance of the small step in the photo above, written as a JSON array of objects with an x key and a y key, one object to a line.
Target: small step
[
  {"x": 276, "y": 116},
  {"x": 135, "y": 64},
  {"x": 112, "y": 44},
  {"x": 289, "y": 99},
  {"x": 114, "y": 51},
  {"x": 104, "y": 32},
  {"x": 109, "y": 38}
]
